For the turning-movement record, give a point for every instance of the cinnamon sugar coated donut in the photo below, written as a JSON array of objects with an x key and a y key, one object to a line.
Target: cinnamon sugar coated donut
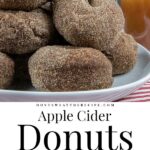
[
  {"x": 25, "y": 32},
  {"x": 98, "y": 24},
  {"x": 123, "y": 55},
  {"x": 21, "y": 4},
  {"x": 88, "y": 23},
  {"x": 7, "y": 67},
  {"x": 66, "y": 68}
]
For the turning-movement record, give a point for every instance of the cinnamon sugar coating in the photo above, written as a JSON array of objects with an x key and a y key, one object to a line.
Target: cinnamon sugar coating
[
  {"x": 66, "y": 68},
  {"x": 6, "y": 71},
  {"x": 98, "y": 24},
  {"x": 123, "y": 55},
  {"x": 25, "y": 32},
  {"x": 88, "y": 23},
  {"x": 21, "y": 4}
]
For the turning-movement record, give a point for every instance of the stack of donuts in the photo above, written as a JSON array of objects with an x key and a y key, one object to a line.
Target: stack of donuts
[{"x": 64, "y": 45}]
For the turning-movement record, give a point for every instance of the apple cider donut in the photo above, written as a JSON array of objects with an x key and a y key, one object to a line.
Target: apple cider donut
[
  {"x": 24, "y": 32},
  {"x": 98, "y": 24},
  {"x": 6, "y": 71},
  {"x": 88, "y": 23},
  {"x": 67, "y": 68},
  {"x": 21, "y": 4},
  {"x": 123, "y": 54}
]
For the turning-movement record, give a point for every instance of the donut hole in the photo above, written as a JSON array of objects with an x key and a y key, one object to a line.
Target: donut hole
[{"x": 94, "y": 3}]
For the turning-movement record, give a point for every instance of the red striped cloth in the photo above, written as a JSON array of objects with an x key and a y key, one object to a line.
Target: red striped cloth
[{"x": 141, "y": 95}]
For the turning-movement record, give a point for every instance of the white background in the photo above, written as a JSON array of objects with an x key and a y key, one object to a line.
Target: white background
[{"x": 133, "y": 117}]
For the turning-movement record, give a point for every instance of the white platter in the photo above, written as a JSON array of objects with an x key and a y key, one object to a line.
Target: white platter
[{"x": 123, "y": 85}]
